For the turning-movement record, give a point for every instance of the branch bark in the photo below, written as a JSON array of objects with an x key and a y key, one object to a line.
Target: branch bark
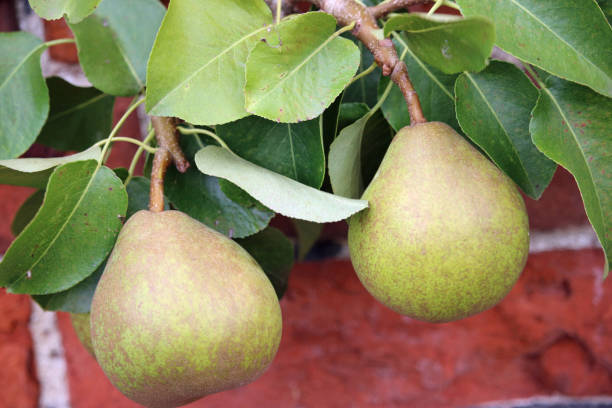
[
  {"x": 168, "y": 151},
  {"x": 385, "y": 55}
]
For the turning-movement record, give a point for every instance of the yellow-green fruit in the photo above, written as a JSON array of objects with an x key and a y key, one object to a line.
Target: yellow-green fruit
[
  {"x": 181, "y": 312},
  {"x": 80, "y": 322},
  {"x": 446, "y": 234}
]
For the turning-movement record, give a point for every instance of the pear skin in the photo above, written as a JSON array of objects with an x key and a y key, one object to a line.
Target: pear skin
[
  {"x": 446, "y": 234},
  {"x": 82, "y": 328},
  {"x": 181, "y": 312}
]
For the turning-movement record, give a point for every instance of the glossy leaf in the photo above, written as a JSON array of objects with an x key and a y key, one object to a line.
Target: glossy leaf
[
  {"x": 197, "y": 67},
  {"x": 114, "y": 44},
  {"x": 493, "y": 108},
  {"x": 34, "y": 172},
  {"x": 23, "y": 93},
  {"x": 274, "y": 253},
  {"x": 364, "y": 89},
  {"x": 568, "y": 38},
  {"x": 27, "y": 211},
  {"x": 200, "y": 196},
  {"x": 277, "y": 192},
  {"x": 571, "y": 125},
  {"x": 74, "y": 10},
  {"x": 300, "y": 69},
  {"x": 78, "y": 118},
  {"x": 294, "y": 150},
  {"x": 82, "y": 204},
  {"x": 77, "y": 299},
  {"x": 435, "y": 90},
  {"x": 451, "y": 44}
]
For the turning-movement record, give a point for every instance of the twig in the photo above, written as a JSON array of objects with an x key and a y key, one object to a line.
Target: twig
[
  {"x": 161, "y": 161},
  {"x": 385, "y": 55},
  {"x": 390, "y": 6}
]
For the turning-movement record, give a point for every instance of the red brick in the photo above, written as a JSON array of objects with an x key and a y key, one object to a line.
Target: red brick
[
  {"x": 17, "y": 374},
  {"x": 11, "y": 198},
  {"x": 58, "y": 29},
  {"x": 340, "y": 347}
]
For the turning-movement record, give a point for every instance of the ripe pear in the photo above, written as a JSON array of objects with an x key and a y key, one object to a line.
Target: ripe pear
[
  {"x": 181, "y": 311},
  {"x": 446, "y": 234},
  {"x": 82, "y": 328}
]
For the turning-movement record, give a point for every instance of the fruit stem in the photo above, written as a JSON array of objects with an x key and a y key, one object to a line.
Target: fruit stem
[
  {"x": 369, "y": 33},
  {"x": 168, "y": 151}
]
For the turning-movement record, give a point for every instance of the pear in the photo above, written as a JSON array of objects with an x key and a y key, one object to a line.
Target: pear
[
  {"x": 82, "y": 328},
  {"x": 181, "y": 312},
  {"x": 446, "y": 234}
]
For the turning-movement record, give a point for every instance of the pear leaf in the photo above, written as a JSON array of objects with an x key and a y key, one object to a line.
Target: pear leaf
[
  {"x": 83, "y": 203},
  {"x": 571, "y": 125},
  {"x": 27, "y": 211},
  {"x": 74, "y": 10},
  {"x": 277, "y": 192}
]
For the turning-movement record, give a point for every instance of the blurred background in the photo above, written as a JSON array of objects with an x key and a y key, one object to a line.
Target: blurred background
[{"x": 548, "y": 344}]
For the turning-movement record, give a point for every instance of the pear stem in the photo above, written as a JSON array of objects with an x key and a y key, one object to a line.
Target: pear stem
[
  {"x": 168, "y": 151},
  {"x": 369, "y": 33}
]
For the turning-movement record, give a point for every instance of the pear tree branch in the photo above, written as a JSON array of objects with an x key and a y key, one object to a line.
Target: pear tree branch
[
  {"x": 369, "y": 33},
  {"x": 168, "y": 151}
]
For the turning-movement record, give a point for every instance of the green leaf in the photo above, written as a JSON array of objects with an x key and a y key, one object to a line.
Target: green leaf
[
  {"x": 435, "y": 90},
  {"x": 197, "y": 67},
  {"x": 138, "y": 196},
  {"x": 364, "y": 89},
  {"x": 277, "y": 192},
  {"x": 294, "y": 150},
  {"x": 34, "y": 172},
  {"x": 79, "y": 117},
  {"x": 351, "y": 112},
  {"x": 83, "y": 204},
  {"x": 77, "y": 299},
  {"x": 451, "y": 44},
  {"x": 568, "y": 38},
  {"x": 114, "y": 44},
  {"x": 74, "y": 10},
  {"x": 274, "y": 253},
  {"x": 494, "y": 108},
  {"x": 301, "y": 68},
  {"x": 201, "y": 197},
  {"x": 307, "y": 234},
  {"x": 571, "y": 125},
  {"x": 345, "y": 160},
  {"x": 23, "y": 92},
  {"x": 606, "y": 7},
  {"x": 27, "y": 211}
]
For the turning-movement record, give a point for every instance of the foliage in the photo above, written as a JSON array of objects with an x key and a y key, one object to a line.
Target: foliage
[{"x": 285, "y": 114}]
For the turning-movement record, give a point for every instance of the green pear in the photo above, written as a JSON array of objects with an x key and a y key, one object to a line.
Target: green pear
[
  {"x": 446, "y": 234},
  {"x": 80, "y": 322},
  {"x": 181, "y": 311}
]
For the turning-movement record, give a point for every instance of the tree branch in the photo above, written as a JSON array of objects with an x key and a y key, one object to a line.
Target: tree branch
[
  {"x": 385, "y": 55},
  {"x": 168, "y": 151},
  {"x": 389, "y": 6}
]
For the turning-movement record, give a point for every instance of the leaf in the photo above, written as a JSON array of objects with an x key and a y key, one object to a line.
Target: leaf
[
  {"x": 77, "y": 299},
  {"x": 79, "y": 117},
  {"x": 364, "y": 89},
  {"x": 299, "y": 71},
  {"x": 493, "y": 108},
  {"x": 277, "y": 192},
  {"x": 568, "y": 38},
  {"x": 197, "y": 66},
  {"x": 27, "y": 211},
  {"x": 74, "y": 10},
  {"x": 307, "y": 234},
  {"x": 201, "y": 197},
  {"x": 345, "y": 160},
  {"x": 83, "y": 204},
  {"x": 294, "y": 150},
  {"x": 351, "y": 112},
  {"x": 449, "y": 43},
  {"x": 274, "y": 253},
  {"x": 34, "y": 172},
  {"x": 23, "y": 92},
  {"x": 114, "y": 44},
  {"x": 571, "y": 125},
  {"x": 435, "y": 90},
  {"x": 606, "y": 7}
]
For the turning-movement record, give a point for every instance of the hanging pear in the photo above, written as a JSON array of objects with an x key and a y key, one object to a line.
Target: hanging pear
[
  {"x": 181, "y": 312},
  {"x": 446, "y": 234}
]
